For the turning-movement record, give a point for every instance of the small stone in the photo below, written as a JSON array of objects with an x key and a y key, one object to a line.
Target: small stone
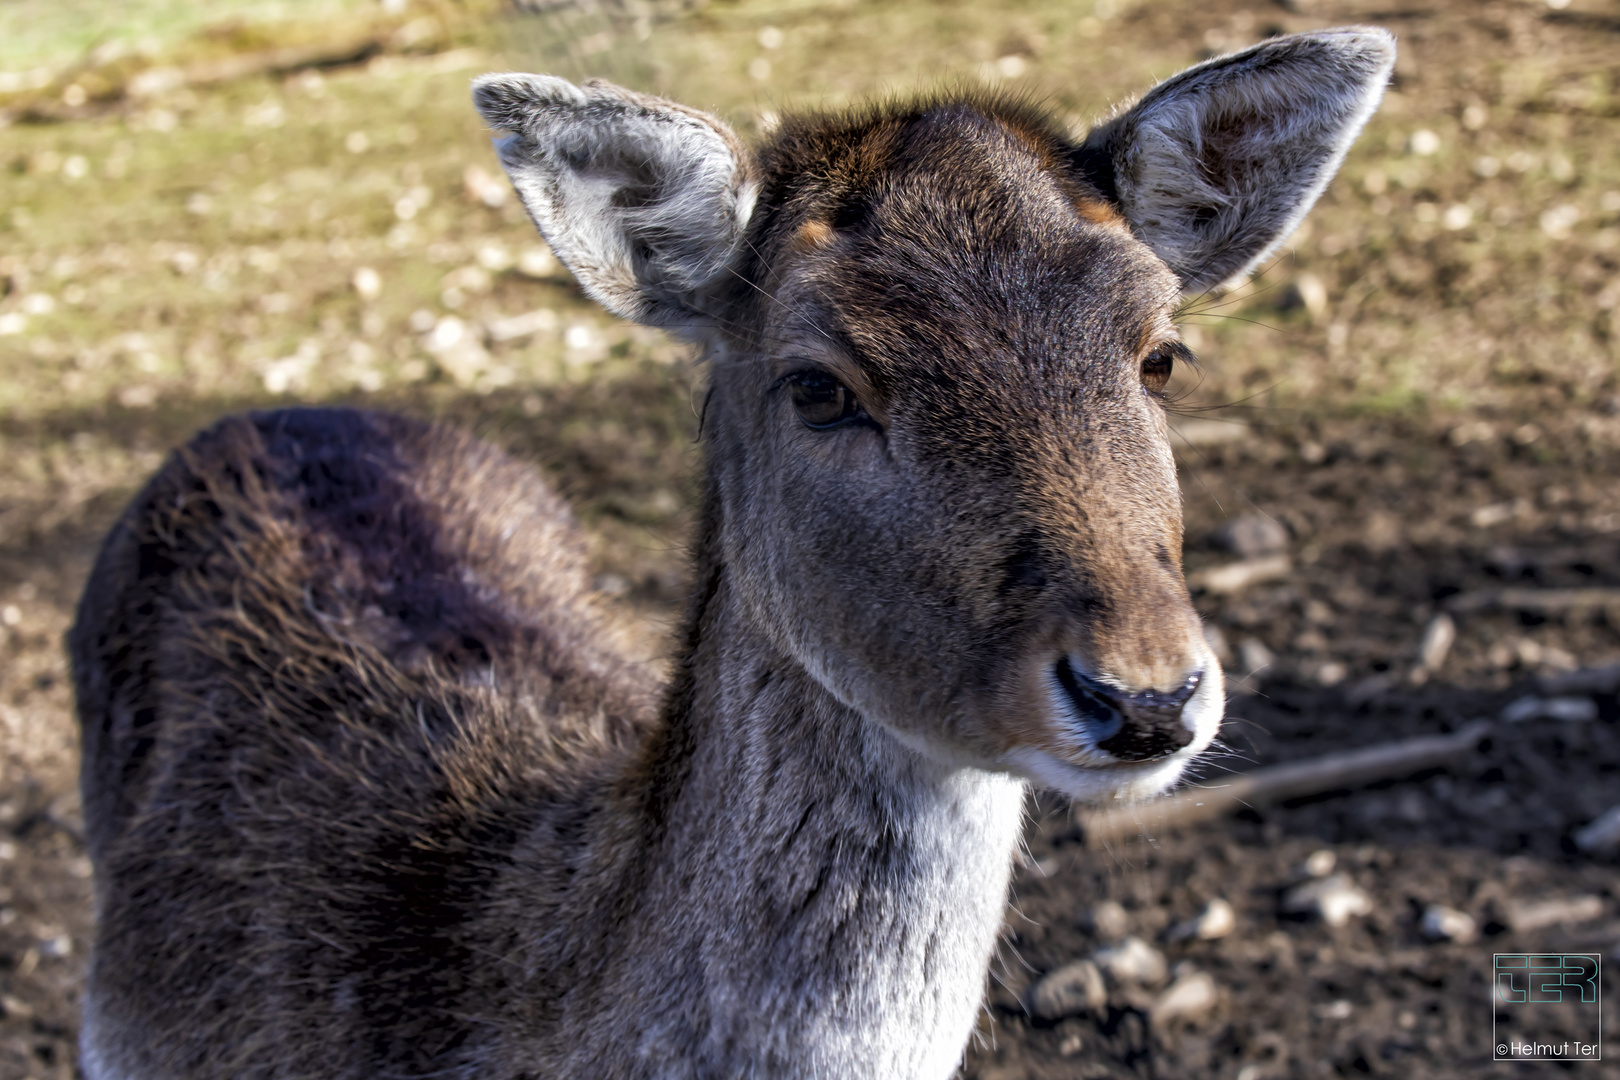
[
  {"x": 1133, "y": 961},
  {"x": 1438, "y": 637},
  {"x": 1251, "y": 536},
  {"x": 538, "y": 262},
  {"x": 484, "y": 188},
  {"x": 1109, "y": 921},
  {"x": 1319, "y": 863},
  {"x": 1237, "y": 576},
  {"x": 1215, "y": 921},
  {"x": 1069, "y": 991},
  {"x": 1339, "y": 1009},
  {"x": 1334, "y": 899},
  {"x": 1602, "y": 835},
  {"x": 495, "y": 258},
  {"x": 1540, "y": 914},
  {"x": 367, "y": 283},
  {"x": 1423, "y": 142},
  {"x": 1331, "y": 673},
  {"x": 1254, "y": 657},
  {"x": 1199, "y": 432},
  {"x": 1441, "y": 923},
  {"x": 539, "y": 321},
  {"x": 1190, "y": 997}
]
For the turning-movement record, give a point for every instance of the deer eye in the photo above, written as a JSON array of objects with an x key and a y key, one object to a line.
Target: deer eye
[
  {"x": 821, "y": 400},
  {"x": 1158, "y": 366}
]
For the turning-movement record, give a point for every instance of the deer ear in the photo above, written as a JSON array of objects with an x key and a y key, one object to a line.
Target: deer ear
[
  {"x": 644, "y": 200},
  {"x": 1216, "y": 165}
]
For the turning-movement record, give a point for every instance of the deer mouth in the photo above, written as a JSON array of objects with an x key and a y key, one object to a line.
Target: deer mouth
[
  {"x": 1142, "y": 726},
  {"x": 1106, "y": 743}
]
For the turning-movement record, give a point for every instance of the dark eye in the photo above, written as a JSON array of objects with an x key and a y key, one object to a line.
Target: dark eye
[
  {"x": 1157, "y": 368},
  {"x": 821, "y": 400}
]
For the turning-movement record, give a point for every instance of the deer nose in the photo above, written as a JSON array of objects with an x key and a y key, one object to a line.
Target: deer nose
[{"x": 1139, "y": 726}]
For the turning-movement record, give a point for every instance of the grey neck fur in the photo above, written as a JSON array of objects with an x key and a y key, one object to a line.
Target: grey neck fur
[{"x": 871, "y": 879}]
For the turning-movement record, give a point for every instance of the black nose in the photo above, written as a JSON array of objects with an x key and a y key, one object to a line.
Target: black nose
[{"x": 1131, "y": 727}]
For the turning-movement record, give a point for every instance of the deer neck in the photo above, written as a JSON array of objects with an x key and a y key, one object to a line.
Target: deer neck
[{"x": 813, "y": 870}]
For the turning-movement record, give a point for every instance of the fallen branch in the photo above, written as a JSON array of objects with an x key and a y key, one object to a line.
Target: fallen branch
[
  {"x": 104, "y": 87},
  {"x": 1590, "y": 681},
  {"x": 1278, "y": 783},
  {"x": 286, "y": 60},
  {"x": 1536, "y": 601}
]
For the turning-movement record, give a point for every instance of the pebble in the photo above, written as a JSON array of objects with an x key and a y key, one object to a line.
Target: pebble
[
  {"x": 1438, "y": 638},
  {"x": 1191, "y": 996},
  {"x": 1133, "y": 961},
  {"x": 1251, "y": 536},
  {"x": 1319, "y": 863},
  {"x": 1339, "y": 1009},
  {"x": 538, "y": 321},
  {"x": 1308, "y": 292},
  {"x": 1441, "y": 923},
  {"x": 367, "y": 283},
  {"x": 1069, "y": 991},
  {"x": 1109, "y": 921},
  {"x": 1540, "y": 914},
  {"x": 1602, "y": 835},
  {"x": 1554, "y": 708},
  {"x": 1215, "y": 921},
  {"x": 1237, "y": 576},
  {"x": 1193, "y": 432},
  {"x": 482, "y": 187},
  {"x": 1253, "y": 656},
  {"x": 539, "y": 263},
  {"x": 1334, "y": 899}
]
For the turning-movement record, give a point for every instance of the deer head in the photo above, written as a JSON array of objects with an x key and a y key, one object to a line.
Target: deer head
[{"x": 940, "y": 476}]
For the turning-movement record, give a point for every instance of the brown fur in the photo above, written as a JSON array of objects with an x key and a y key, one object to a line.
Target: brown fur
[{"x": 346, "y": 623}]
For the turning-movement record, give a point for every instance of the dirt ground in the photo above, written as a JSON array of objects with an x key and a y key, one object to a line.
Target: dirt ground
[{"x": 1423, "y": 392}]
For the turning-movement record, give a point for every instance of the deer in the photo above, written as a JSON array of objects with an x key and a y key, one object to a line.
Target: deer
[{"x": 370, "y": 788}]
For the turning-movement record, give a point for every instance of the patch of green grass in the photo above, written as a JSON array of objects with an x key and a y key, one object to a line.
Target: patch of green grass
[{"x": 55, "y": 33}]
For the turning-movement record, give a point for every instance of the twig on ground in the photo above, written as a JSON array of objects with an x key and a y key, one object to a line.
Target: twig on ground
[
  {"x": 1278, "y": 783},
  {"x": 1536, "y": 601},
  {"x": 1591, "y": 681}
]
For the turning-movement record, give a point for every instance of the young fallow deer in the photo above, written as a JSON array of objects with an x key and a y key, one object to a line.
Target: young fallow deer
[{"x": 371, "y": 795}]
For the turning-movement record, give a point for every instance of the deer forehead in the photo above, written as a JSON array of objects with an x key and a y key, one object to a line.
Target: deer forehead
[{"x": 951, "y": 244}]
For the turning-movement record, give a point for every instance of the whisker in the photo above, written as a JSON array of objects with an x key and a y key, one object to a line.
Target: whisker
[{"x": 766, "y": 293}]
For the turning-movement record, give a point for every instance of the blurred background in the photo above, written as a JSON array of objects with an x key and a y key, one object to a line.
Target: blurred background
[{"x": 1399, "y": 454}]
